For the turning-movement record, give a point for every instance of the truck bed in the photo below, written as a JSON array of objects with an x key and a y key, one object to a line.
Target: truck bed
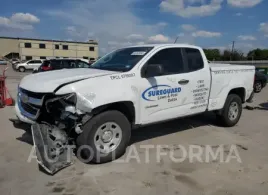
[
  {"x": 227, "y": 76},
  {"x": 229, "y": 66}
]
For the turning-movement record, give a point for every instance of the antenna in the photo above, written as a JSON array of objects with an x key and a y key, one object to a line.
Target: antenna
[{"x": 176, "y": 39}]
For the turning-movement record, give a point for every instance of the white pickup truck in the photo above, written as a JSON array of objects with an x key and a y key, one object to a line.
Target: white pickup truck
[{"x": 134, "y": 86}]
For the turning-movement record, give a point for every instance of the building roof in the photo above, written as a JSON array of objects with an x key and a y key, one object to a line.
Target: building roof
[{"x": 52, "y": 40}]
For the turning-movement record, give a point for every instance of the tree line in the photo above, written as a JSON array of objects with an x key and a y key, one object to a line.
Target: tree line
[{"x": 235, "y": 55}]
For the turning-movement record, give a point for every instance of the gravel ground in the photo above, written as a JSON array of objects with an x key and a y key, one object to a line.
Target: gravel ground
[{"x": 157, "y": 174}]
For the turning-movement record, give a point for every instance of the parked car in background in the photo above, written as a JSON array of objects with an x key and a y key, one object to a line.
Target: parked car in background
[
  {"x": 28, "y": 65},
  {"x": 15, "y": 61},
  {"x": 3, "y": 62},
  {"x": 57, "y": 64},
  {"x": 260, "y": 81}
]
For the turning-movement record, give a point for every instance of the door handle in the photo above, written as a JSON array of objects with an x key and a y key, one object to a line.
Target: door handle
[{"x": 183, "y": 82}]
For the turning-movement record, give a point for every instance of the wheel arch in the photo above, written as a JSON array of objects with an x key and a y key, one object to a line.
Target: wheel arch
[
  {"x": 240, "y": 91},
  {"x": 126, "y": 107}
]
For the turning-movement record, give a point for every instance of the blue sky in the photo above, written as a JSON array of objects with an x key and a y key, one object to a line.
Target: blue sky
[{"x": 119, "y": 23}]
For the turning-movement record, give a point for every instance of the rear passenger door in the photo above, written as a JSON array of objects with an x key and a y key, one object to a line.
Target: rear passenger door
[
  {"x": 199, "y": 80},
  {"x": 31, "y": 64},
  {"x": 37, "y": 63}
]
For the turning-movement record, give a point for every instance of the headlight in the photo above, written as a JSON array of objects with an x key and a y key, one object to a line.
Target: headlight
[
  {"x": 70, "y": 99},
  {"x": 60, "y": 102}
]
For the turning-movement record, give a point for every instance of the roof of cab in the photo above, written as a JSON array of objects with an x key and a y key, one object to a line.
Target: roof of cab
[{"x": 167, "y": 45}]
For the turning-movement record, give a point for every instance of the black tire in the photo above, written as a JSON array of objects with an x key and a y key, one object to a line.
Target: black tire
[
  {"x": 223, "y": 118},
  {"x": 22, "y": 69},
  {"x": 86, "y": 138},
  {"x": 257, "y": 87}
]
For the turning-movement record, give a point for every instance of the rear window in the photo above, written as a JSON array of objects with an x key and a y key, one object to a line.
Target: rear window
[
  {"x": 56, "y": 64},
  {"x": 46, "y": 63},
  {"x": 194, "y": 59}
]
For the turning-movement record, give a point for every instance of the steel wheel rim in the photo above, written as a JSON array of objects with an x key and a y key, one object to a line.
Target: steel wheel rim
[
  {"x": 108, "y": 137},
  {"x": 233, "y": 111},
  {"x": 258, "y": 86}
]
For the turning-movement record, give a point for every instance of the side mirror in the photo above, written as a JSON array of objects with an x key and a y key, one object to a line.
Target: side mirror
[{"x": 153, "y": 70}]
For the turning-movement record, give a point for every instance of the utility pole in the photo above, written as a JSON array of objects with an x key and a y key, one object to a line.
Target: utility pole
[
  {"x": 176, "y": 39},
  {"x": 232, "y": 51}
]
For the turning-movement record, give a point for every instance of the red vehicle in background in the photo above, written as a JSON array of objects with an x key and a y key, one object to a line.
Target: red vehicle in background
[{"x": 57, "y": 64}]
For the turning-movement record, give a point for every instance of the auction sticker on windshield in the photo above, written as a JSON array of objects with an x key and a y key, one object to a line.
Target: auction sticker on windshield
[{"x": 138, "y": 53}]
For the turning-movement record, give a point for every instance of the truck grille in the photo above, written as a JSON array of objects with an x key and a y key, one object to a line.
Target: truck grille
[
  {"x": 30, "y": 103},
  {"x": 30, "y": 109}
]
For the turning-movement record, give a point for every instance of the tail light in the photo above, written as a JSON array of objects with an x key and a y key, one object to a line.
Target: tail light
[{"x": 46, "y": 68}]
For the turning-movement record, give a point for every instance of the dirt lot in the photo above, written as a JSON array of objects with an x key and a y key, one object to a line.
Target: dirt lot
[{"x": 156, "y": 175}]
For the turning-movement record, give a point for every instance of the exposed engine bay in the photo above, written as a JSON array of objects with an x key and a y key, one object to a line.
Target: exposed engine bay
[{"x": 55, "y": 131}]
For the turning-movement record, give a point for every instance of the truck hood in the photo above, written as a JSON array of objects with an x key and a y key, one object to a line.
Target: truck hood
[{"x": 47, "y": 82}]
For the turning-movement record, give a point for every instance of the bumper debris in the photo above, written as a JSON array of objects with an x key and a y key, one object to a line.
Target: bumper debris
[{"x": 52, "y": 148}]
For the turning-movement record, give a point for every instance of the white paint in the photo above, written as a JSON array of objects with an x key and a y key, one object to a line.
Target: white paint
[{"x": 217, "y": 80}]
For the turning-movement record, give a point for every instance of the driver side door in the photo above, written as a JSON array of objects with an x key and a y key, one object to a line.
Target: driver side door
[
  {"x": 167, "y": 95},
  {"x": 30, "y": 65}
]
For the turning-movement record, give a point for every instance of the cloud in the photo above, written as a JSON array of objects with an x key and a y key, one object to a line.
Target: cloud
[
  {"x": 116, "y": 23},
  {"x": 18, "y": 21},
  {"x": 135, "y": 37},
  {"x": 243, "y": 3},
  {"x": 247, "y": 38},
  {"x": 158, "y": 39},
  {"x": 206, "y": 34},
  {"x": 238, "y": 14},
  {"x": 24, "y": 18},
  {"x": 188, "y": 27},
  {"x": 264, "y": 28},
  {"x": 185, "y": 9},
  {"x": 72, "y": 31},
  {"x": 162, "y": 24}
]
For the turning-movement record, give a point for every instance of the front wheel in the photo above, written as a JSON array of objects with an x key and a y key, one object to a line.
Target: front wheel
[
  {"x": 231, "y": 112},
  {"x": 105, "y": 137},
  {"x": 257, "y": 87}
]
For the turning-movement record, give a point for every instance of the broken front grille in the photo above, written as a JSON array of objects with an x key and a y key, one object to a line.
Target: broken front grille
[{"x": 30, "y": 103}]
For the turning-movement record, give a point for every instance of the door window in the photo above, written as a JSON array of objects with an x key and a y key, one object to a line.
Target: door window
[
  {"x": 171, "y": 60},
  {"x": 69, "y": 63},
  {"x": 34, "y": 62},
  {"x": 28, "y": 57},
  {"x": 194, "y": 59},
  {"x": 81, "y": 64}
]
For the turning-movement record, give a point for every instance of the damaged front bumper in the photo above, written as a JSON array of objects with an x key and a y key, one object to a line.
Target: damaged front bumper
[{"x": 52, "y": 147}]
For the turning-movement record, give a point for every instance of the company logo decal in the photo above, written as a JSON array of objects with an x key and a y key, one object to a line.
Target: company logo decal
[{"x": 159, "y": 92}]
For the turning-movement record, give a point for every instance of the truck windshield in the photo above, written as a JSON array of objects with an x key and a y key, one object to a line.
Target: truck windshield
[{"x": 122, "y": 59}]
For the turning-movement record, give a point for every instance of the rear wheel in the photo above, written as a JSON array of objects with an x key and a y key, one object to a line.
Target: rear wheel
[
  {"x": 21, "y": 69},
  {"x": 257, "y": 87},
  {"x": 231, "y": 112},
  {"x": 104, "y": 138}
]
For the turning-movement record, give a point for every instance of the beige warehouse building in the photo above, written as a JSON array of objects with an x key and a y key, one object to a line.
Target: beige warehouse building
[{"x": 27, "y": 49}]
